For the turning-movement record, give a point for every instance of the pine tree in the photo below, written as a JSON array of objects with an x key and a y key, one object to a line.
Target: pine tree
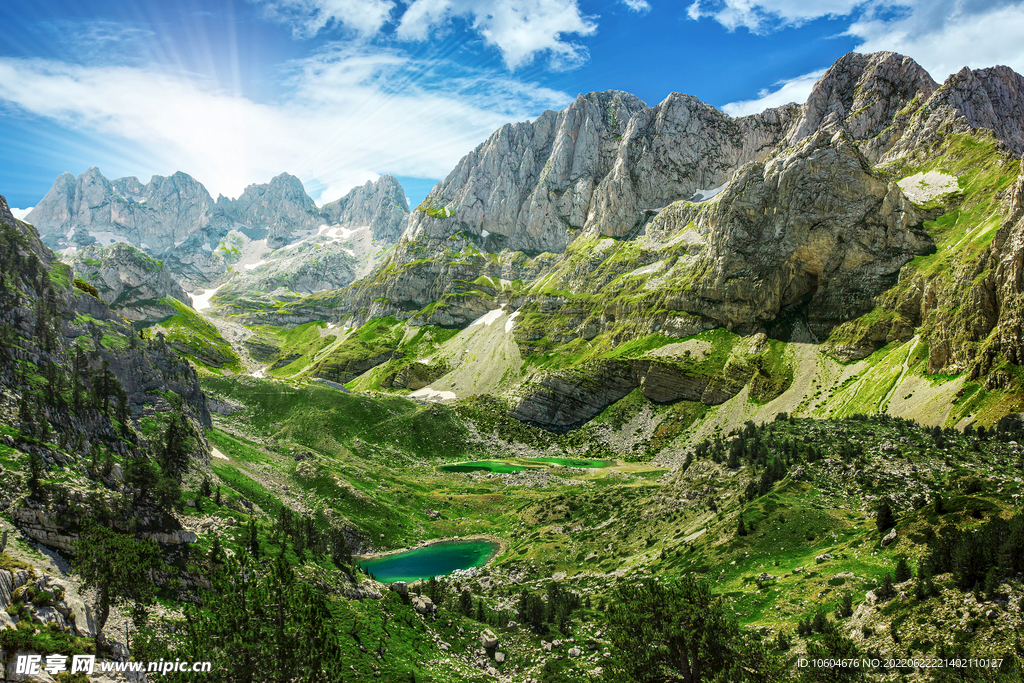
[
  {"x": 254, "y": 539},
  {"x": 902, "y": 572},
  {"x": 884, "y": 518},
  {"x": 741, "y": 530}
]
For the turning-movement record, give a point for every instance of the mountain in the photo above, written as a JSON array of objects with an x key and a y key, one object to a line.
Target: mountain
[
  {"x": 128, "y": 280},
  {"x": 877, "y": 214},
  {"x": 380, "y": 204},
  {"x": 274, "y": 211},
  {"x": 175, "y": 220}
]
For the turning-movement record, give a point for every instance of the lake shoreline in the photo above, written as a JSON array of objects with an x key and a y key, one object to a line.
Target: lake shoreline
[{"x": 501, "y": 542}]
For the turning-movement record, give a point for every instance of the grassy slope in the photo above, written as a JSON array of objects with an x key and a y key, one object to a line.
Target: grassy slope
[{"x": 197, "y": 339}]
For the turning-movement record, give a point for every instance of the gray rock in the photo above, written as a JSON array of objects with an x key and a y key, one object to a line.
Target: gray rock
[
  {"x": 488, "y": 639},
  {"x": 599, "y": 164},
  {"x": 889, "y": 537},
  {"x": 48, "y": 615},
  {"x": 575, "y": 652},
  {"x": 499, "y": 657},
  {"x": 423, "y": 604},
  {"x": 274, "y": 211},
  {"x": 380, "y": 204},
  {"x": 128, "y": 280},
  {"x": 11, "y": 674},
  {"x": 400, "y": 587}
]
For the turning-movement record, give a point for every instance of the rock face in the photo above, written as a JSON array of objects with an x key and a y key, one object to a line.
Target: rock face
[
  {"x": 145, "y": 370},
  {"x": 176, "y": 220},
  {"x": 381, "y": 205},
  {"x": 275, "y": 210},
  {"x": 600, "y": 164},
  {"x": 814, "y": 228},
  {"x": 128, "y": 280},
  {"x": 156, "y": 216}
]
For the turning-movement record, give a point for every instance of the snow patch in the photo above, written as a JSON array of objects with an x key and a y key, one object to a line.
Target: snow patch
[
  {"x": 105, "y": 239},
  {"x": 250, "y": 266},
  {"x": 201, "y": 299},
  {"x": 21, "y": 213},
  {"x": 217, "y": 454},
  {"x": 509, "y": 324},
  {"x": 922, "y": 187},
  {"x": 488, "y": 318},
  {"x": 484, "y": 233},
  {"x": 704, "y": 195},
  {"x": 207, "y": 247},
  {"x": 144, "y": 245},
  {"x": 432, "y": 395}
]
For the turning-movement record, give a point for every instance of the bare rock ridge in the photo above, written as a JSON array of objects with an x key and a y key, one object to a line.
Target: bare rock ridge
[
  {"x": 381, "y": 205},
  {"x": 128, "y": 280},
  {"x": 274, "y": 211},
  {"x": 175, "y": 219},
  {"x": 601, "y": 164}
]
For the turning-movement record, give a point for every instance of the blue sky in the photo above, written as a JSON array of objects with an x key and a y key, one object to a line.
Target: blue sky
[{"x": 338, "y": 92}]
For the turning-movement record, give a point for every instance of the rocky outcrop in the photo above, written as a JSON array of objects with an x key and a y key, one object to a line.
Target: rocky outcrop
[
  {"x": 970, "y": 100},
  {"x": 155, "y": 217},
  {"x": 276, "y": 210},
  {"x": 565, "y": 399},
  {"x": 50, "y": 318},
  {"x": 601, "y": 164},
  {"x": 814, "y": 229},
  {"x": 872, "y": 97},
  {"x": 379, "y": 204},
  {"x": 130, "y": 281}
]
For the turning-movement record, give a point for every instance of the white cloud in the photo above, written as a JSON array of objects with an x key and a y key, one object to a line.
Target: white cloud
[
  {"x": 767, "y": 15},
  {"x": 519, "y": 29},
  {"x": 348, "y": 115},
  {"x": 309, "y": 17},
  {"x": 946, "y": 36},
  {"x": 637, "y": 5},
  {"x": 21, "y": 213},
  {"x": 941, "y": 35},
  {"x": 794, "y": 90}
]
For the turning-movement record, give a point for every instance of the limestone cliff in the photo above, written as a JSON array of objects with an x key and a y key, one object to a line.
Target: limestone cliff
[
  {"x": 379, "y": 204},
  {"x": 601, "y": 164},
  {"x": 131, "y": 282}
]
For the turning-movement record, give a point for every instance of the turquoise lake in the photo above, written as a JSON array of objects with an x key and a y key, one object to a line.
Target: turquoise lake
[{"x": 433, "y": 560}]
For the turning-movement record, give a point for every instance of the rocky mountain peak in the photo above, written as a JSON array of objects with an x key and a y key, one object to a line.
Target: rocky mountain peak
[
  {"x": 280, "y": 208},
  {"x": 128, "y": 280},
  {"x": 866, "y": 95},
  {"x": 379, "y": 204},
  {"x": 603, "y": 164}
]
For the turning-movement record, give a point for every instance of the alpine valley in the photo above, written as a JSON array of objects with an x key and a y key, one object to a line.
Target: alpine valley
[{"x": 746, "y": 391}]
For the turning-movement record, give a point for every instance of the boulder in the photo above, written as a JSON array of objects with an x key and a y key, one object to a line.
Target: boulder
[
  {"x": 488, "y": 639},
  {"x": 499, "y": 657},
  {"x": 423, "y": 604},
  {"x": 400, "y": 587},
  {"x": 889, "y": 537},
  {"x": 575, "y": 652}
]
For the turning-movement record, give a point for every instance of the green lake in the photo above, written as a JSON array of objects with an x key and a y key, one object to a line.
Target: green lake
[
  {"x": 570, "y": 462},
  {"x": 437, "y": 559}
]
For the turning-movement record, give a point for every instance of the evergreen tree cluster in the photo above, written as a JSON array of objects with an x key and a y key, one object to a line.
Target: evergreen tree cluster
[
  {"x": 979, "y": 558},
  {"x": 542, "y": 614},
  {"x": 306, "y": 536}
]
